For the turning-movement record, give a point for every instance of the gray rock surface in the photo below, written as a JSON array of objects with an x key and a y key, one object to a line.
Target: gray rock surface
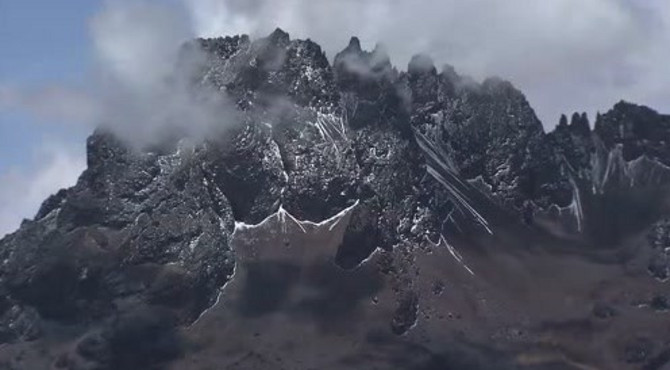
[{"x": 140, "y": 246}]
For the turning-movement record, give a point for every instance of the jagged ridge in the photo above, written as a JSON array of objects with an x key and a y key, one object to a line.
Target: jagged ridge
[{"x": 422, "y": 151}]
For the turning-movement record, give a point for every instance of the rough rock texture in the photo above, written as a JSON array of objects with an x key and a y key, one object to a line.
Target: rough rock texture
[{"x": 141, "y": 244}]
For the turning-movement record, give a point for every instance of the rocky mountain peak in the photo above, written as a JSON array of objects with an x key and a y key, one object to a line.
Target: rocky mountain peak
[
  {"x": 579, "y": 124},
  {"x": 421, "y": 63},
  {"x": 638, "y": 129},
  {"x": 355, "y": 63},
  {"x": 354, "y": 45},
  {"x": 402, "y": 163},
  {"x": 279, "y": 37}
]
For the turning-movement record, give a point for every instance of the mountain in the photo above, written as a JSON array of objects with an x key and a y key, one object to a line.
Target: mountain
[{"x": 351, "y": 215}]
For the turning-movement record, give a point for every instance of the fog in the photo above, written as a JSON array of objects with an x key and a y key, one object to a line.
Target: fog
[
  {"x": 566, "y": 55},
  {"x": 134, "y": 89},
  {"x": 139, "y": 84},
  {"x": 146, "y": 82}
]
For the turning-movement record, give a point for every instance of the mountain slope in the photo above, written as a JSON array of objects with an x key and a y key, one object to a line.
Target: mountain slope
[{"x": 425, "y": 163}]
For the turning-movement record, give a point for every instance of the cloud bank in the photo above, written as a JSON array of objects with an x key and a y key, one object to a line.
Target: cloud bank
[
  {"x": 145, "y": 87},
  {"x": 139, "y": 85},
  {"x": 566, "y": 55}
]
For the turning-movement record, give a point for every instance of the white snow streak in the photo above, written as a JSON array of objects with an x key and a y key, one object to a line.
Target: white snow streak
[
  {"x": 457, "y": 256},
  {"x": 282, "y": 215},
  {"x": 451, "y": 181}
]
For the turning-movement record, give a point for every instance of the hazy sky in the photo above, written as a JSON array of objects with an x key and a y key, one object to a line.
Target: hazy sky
[
  {"x": 44, "y": 43},
  {"x": 66, "y": 65}
]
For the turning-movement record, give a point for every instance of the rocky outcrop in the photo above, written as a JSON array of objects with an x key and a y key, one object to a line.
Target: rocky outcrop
[
  {"x": 420, "y": 152},
  {"x": 140, "y": 234}
]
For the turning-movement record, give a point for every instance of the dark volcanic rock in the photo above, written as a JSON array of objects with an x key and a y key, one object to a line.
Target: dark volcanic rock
[
  {"x": 141, "y": 244},
  {"x": 640, "y": 130},
  {"x": 406, "y": 314},
  {"x": 137, "y": 227},
  {"x": 659, "y": 241}
]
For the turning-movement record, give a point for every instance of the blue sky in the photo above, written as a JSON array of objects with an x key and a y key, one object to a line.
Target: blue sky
[
  {"x": 45, "y": 42},
  {"x": 47, "y": 39}
]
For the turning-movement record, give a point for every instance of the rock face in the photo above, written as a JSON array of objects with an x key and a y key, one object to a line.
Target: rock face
[{"x": 141, "y": 245}]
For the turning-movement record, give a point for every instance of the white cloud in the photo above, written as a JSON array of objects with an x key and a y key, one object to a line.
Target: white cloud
[
  {"x": 133, "y": 90},
  {"x": 142, "y": 92},
  {"x": 135, "y": 87},
  {"x": 565, "y": 55},
  {"x": 22, "y": 191},
  {"x": 136, "y": 43}
]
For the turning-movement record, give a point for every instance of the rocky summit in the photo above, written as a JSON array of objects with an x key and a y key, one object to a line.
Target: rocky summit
[{"x": 351, "y": 215}]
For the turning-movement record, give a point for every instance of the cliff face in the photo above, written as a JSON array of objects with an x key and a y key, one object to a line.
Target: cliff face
[
  {"x": 141, "y": 245},
  {"x": 481, "y": 138}
]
